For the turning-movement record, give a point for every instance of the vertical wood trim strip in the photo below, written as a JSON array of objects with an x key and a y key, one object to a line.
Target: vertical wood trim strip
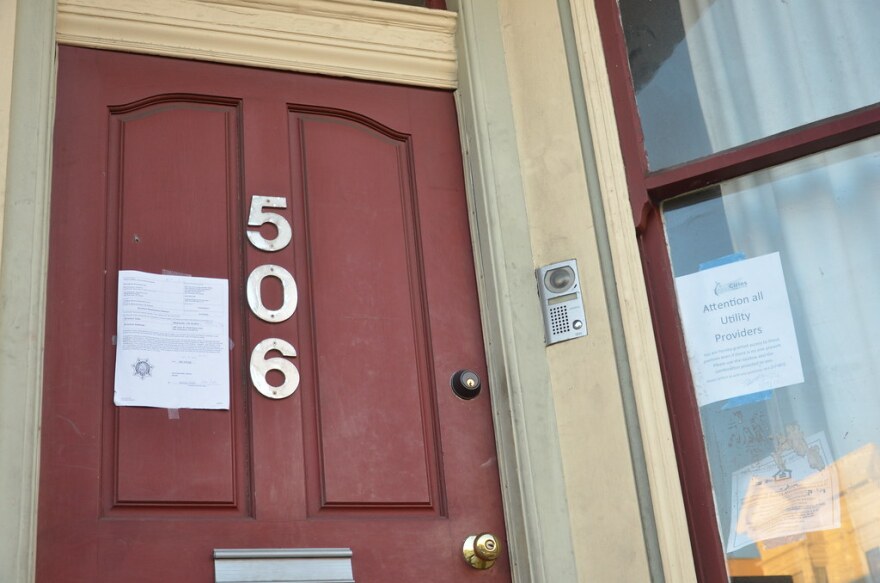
[
  {"x": 672, "y": 531},
  {"x": 23, "y": 279},
  {"x": 533, "y": 484},
  {"x": 7, "y": 50}
]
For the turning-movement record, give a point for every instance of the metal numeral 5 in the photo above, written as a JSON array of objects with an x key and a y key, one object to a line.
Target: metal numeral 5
[{"x": 257, "y": 218}]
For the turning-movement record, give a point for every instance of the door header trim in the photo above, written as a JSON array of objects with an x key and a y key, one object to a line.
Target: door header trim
[{"x": 361, "y": 39}]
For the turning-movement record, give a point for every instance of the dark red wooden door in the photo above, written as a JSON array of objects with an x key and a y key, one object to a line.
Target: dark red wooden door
[{"x": 156, "y": 163}]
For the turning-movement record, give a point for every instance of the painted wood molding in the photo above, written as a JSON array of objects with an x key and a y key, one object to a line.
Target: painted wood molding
[
  {"x": 530, "y": 460},
  {"x": 362, "y": 39},
  {"x": 23, "y": 277},
  {"x": 7, "y": 51},
  {"x": 672, "y": 530}
]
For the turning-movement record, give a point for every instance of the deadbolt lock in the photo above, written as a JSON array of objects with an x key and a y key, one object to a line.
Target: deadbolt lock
[
  {"x": 481, "y": 550},
  {"x": 465, "y": 384}
]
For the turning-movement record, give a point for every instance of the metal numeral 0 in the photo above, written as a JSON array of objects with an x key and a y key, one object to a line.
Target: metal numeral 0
[
  {"x": 257, "y": 218},
  {"x": 260, "y": 367},
  {"x": 255, "y": 294}
]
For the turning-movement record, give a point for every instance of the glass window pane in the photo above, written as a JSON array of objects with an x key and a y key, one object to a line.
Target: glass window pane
[
  {"x": 777, "y": 276},
  {"x": 713, "y": 74}
]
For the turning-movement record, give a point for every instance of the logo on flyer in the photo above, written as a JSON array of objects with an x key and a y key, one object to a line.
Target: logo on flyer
[{"x": 730, "y": 286}]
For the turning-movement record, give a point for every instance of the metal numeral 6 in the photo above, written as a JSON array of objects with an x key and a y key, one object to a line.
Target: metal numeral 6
[{"x": 260, "y": 367}]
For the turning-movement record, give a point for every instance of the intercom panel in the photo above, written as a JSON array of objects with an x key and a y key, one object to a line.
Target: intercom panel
[{"x": 561, "y": 301}]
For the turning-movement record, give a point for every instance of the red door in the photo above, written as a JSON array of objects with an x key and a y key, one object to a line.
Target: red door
[{"x": 156, "y": 166}]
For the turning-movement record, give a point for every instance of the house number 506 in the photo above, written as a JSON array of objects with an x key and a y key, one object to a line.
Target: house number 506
[{"x": 260, "y": 365}]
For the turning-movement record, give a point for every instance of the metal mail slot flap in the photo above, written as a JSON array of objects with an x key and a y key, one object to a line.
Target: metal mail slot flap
[{"x": 282, "y": 566}]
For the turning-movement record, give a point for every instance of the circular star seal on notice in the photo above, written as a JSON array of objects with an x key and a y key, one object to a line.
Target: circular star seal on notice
[{"x": 142, "y": 368}]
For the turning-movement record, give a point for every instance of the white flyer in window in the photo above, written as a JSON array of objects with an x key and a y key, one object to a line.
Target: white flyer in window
[
  {"x": 791, "y": 492},
  {"x": 738, "y": 329},
  {"x": 172, "y": 348}
]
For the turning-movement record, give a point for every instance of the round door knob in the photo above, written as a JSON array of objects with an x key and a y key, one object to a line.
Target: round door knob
[{"x": 481, "y": 550}]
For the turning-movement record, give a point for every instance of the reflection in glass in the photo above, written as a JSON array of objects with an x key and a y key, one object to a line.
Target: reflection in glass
[
  {"x": 713, "y": 74},
  {"x": 796, "y": 469}
]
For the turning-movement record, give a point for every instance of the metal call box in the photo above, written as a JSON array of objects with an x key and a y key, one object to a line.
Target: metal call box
[{"x": 561, "y": 301}]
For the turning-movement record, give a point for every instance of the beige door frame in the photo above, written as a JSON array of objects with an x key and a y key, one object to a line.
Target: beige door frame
[
  {"x": 354, "y": 38},
  {"x": 547, "y": 509}
]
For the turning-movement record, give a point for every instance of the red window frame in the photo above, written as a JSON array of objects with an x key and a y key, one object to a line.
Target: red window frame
[{"x": 647, "y": 190}]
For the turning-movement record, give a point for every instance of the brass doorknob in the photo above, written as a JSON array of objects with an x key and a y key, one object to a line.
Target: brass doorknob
[{"x": 481, "y": 550}]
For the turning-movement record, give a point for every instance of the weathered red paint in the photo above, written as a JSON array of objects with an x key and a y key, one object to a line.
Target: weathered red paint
[{"x": 155, "y": 164}]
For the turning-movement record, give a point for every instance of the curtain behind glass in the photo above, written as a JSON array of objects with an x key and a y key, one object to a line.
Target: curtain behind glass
[
  {"x": 715, "y": 74},
  {"x": 766, "y": 66}
]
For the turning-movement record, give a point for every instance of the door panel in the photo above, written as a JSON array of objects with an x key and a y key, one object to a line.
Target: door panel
[
  {"x": 154, "y": 196},
  {"x": 365, "y": 232},
  {"x": 156, "y": 162}
]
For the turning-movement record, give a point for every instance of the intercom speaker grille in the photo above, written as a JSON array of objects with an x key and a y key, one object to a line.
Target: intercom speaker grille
[{"x": 559, "y": 320}]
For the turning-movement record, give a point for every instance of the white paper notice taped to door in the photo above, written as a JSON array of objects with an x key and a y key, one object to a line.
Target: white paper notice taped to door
[
  {"x": 172, "y": 348},
  {"x": 738, "y": 329},
  {"x": 789, "y": 493}
]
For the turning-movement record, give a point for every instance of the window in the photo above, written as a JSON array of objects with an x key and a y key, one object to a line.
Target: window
[
  {"x": 751, "y": 135},
  {"x": 710, "y": 75}
]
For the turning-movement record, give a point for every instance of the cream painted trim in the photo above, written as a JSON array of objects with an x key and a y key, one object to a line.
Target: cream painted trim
[
  {"x": 536, "y": 506},
  {"x": 672, "y": 529},
  {"x": 23, "y": 279},
  {"x": 7, "y": 50},
  {"x": 349, "y": 38}
]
